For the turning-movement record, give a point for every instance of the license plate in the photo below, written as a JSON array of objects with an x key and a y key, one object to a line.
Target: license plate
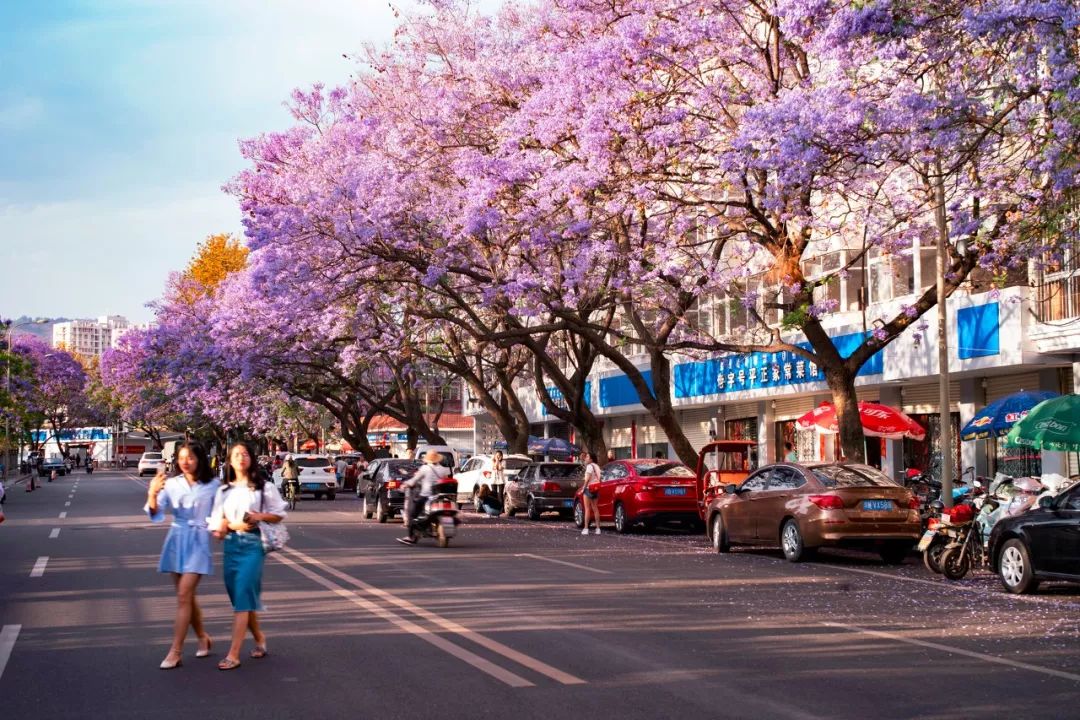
[
  {"x": 568, "y": 503},
  {"x": 312, "y": 486},
  {"x": 927, "y": 538},
  {"x": 675, "y": 491},
  {"x": 877, "y": 505}
]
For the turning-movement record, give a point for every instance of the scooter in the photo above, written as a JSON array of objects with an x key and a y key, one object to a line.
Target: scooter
[
  {"x": 89, "y": 468},
  {"x": 439, "y": 518}
]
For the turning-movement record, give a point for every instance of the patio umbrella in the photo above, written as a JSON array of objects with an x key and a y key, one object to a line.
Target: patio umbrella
[
  {"x": 1051, "y": 425},
  {"x": 877, "y": 421},
  {"x": 998, "y": 418}
]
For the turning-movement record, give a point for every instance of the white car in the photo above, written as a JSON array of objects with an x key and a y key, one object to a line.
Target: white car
[
  {"x": 150, "y": 463},
  {"x": 478, "y": 471},
  {"x": 317, "y": 476}
]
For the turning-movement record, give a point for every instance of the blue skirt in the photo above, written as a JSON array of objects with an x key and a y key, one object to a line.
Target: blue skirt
[
  {"x": 186, "y": 550},
  {"x": 243, "y": 567}
]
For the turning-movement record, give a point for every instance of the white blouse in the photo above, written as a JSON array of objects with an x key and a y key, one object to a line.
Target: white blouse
[{"x": 232, "y": 502}]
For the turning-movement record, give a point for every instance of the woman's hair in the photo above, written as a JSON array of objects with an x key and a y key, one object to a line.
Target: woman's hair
[
  {"x": 203, "y": 473},
  {"x": 498, "y": 455},
  {"x": 485, "y": 490},
  {"x": 255, "y": 471}
]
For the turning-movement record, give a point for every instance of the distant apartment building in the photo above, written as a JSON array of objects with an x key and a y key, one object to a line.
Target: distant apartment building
[{"x": 92, "y": 337}]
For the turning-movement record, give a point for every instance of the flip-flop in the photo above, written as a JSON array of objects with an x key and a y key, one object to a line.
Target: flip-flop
[
  {"x": 228, "y": 664},
  {"x": 258, "y": 652}
]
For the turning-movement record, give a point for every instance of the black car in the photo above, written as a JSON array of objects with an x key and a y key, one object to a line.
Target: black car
[
  {"x": 544, "y": 487},
  {"x": 380, "y": 487},
  {"x": 1042, "y": 544}
]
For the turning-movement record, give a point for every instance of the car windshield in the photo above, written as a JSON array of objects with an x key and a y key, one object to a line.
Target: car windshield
[
  {"x": 559, "y": 472},
  {"x": 151, "y": 456},
  {"x": 515, "y": 463},
  {"x": 850, "y": 476},
  {"x": 312, "y": 462},
  {"x": 404, "y": 470},
  {"x": 665, "y": 469}
]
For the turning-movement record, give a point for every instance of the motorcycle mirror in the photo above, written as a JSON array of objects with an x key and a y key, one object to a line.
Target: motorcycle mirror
[{"x": 937, "y": 506}]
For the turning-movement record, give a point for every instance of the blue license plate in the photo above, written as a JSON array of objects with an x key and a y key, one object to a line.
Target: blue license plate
[
  {"x": 312, "y": 486},
  {"x": 877, "y": 505},
  {"x": 568, "y": 503},
  {"x": 675, "y": 491}
]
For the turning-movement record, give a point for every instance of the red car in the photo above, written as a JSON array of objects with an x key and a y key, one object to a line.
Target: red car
[{"x": 649, "y": 492}]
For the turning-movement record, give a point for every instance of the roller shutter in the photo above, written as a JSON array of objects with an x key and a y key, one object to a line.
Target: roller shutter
[
  {"x": 924, "y": 398},
  {"x": 695, "y": 424},
  {"x": 793, "y": 408},
  {"x": 650, "y": 434},
  {"x": 620, "y": 431},
  {"x": 734, "y": 411},
  {"x": 1000, "y": 386}
]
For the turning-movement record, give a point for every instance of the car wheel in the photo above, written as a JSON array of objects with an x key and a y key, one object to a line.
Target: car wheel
[
  {"x": 791, "y": 542},
  {"x": 534, "y": 510},
  {"x": 380, "y": 510},
  {"x": 368, "y": 512},
  {"x": 894, "y": 553},
  {"x": 719, "y": 535},
  {"x": 1014, "y": 568},
  {"x": 931, "y": 556},
  {"x": 318, "y": 496},
  {"x": 955, "y": 563},
  {"x": 579, "y": 514},
  {"x": 331, "y": 496},
  {"x": 622, "y": 522}
]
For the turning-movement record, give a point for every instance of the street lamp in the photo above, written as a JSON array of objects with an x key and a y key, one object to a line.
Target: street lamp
[{"x": 7, "y": 384}]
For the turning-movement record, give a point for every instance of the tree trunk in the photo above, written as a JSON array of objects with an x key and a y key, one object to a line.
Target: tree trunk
[
  {"x": 664, "y": 413},
  {"x": 852, "y": 440}
]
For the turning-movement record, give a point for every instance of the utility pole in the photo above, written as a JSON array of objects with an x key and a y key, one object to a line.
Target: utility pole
[{"x": 945, "y": 418}]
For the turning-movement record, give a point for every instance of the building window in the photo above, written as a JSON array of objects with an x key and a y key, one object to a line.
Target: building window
[
  {"x": 891, "y": 275},
  {"x": 1058, "y": 286}
]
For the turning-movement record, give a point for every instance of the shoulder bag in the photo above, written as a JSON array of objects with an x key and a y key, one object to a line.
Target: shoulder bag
[{"x": 274, "y": 535}]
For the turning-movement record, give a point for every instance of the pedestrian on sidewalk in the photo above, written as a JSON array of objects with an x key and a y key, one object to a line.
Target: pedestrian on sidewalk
[
  {"x": 246, "y": 500},
  {"x": 590, "y": 490},
  {"x": 186, "y": 554}
]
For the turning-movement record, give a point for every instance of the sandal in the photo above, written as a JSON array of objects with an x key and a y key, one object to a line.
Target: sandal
[
  {"x": 258, "y": 652},
  {"x": 228, "y": 664},
  {"x": 201, "y": 653}
]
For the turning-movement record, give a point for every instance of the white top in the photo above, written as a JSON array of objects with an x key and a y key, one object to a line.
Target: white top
[
  {"x": 232, "y": 502},
  {"x": 592, "y": 473}
]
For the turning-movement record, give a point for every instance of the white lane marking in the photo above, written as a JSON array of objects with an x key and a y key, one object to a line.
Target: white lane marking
[
  {"x": 67, "y": 504},
  {"x": 443, "y": 644},
  {"x": 8, "y": 635},
  {"x": 564, "y": 562},
  {"x": 957, "y": 651},
  {"x": 63, "y": 515},
  {"x": 54, "y": 534},
  {"x": 39, "y": 566},
  {"x": 481, "y": 640}
]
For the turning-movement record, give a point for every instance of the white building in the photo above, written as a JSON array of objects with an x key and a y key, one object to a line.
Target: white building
[{"x": 91, "y": 337}]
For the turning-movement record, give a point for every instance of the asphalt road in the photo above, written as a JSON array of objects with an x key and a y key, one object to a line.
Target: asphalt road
[{"x": 515, "y": 620}]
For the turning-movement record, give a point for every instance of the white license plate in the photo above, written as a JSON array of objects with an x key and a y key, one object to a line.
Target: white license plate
[{"x": 927, "y": 538}]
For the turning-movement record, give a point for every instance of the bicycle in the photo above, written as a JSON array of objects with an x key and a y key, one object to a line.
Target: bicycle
[{"x": 290, "y": 487}]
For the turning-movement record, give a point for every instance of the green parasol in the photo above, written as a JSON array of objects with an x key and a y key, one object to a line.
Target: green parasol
[{"x": 1051, "y": 425}]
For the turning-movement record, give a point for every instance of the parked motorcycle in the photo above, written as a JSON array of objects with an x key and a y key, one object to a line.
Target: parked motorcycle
[
  {"x": 942, "y": 530},
  {"x": 439, "y": 518}
]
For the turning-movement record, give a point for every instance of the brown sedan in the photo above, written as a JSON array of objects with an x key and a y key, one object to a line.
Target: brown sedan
[{"x": 804, "y": 507}]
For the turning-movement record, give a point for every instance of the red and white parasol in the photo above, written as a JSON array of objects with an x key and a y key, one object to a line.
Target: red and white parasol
[{"x": 877, "y": 421}]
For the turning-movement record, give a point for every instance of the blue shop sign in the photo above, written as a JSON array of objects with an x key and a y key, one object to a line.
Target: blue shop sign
[
  {"x": 560, "y": 401},
  {"x": 89, "y": 434},
  {"x": 761, "y": 371},
  {"x": 392, "y": 437},
  {"x": 618, "y": 390},
  {"x": 978, "y": 329}
]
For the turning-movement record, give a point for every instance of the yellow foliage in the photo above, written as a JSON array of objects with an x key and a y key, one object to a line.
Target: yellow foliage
[{"x": 215, "y": 259}]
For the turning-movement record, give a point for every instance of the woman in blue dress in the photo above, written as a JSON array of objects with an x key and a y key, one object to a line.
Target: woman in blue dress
[
  {"x": 186, "y": 555},
  {"x": 246, "y": 499}
]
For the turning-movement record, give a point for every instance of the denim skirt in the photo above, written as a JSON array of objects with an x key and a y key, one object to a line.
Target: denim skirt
[{"x": 243, "y": 568}]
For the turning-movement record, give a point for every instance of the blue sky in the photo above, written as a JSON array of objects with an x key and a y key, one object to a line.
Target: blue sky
[{"x": 118, "y": 126}]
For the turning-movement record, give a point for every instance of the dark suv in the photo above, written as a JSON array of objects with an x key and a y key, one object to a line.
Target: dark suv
[
  {"x": 380, "y": 487},
  {"x": 544, "y": 487},
  {"x": 1042, "y": 544}
]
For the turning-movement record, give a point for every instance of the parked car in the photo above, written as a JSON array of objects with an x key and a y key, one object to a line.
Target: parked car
[
  {"x": 650, "y": 492},
  {"x": 53, "y": 462},
  {"x": 380, "y": 487},
  {"x": 1041, "y": 544},
  {"x": 316, "y": 476},
  {"x": 478, "y": 471},
  {"x": 805, "y": 507},
  {"x": 543, "y": 487},
  {"x": 150, "y": 463},
  {"x": 449, "y": 455}
]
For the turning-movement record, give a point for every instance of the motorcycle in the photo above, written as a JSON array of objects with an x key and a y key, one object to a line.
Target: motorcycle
[
  {"x": 89, "y": 467},
  {"x": 439, "y": 517}
]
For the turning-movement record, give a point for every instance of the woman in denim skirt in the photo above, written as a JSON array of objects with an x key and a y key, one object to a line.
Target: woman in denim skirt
[
  {"x": 186, "y": 553},
  {"x": 245, "y": 500}
]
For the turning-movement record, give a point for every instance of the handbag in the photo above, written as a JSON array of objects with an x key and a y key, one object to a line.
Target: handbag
[{"x": 274, "y": 535}]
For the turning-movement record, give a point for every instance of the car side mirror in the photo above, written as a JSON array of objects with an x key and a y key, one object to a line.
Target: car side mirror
[
  {"x": 1046, "y": 502},
  {"x": 731, "y": 489}
]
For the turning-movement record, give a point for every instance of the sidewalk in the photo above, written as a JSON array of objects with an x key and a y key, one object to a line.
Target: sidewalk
[{"x": 13, "y": 481}]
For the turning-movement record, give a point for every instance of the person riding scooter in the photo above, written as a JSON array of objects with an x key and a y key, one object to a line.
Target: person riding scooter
[{"x": 419, "y": 488}]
